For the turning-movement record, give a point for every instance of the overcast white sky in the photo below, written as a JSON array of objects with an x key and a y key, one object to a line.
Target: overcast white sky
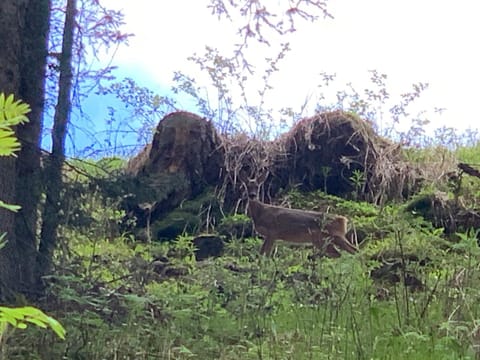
[{"x": 433, "y": 41}]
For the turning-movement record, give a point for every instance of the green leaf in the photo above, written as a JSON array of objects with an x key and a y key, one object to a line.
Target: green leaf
[
  {"x": 8, "y": 142},
  {"x": 3, "y": 242},
  {"x": 37, "y": 322},
  {"x": 20, "y": 317},
  {"x": 12, "y": 112},
  {"x": 10, "y": 207},
  {"x": 184, "y": 350}
]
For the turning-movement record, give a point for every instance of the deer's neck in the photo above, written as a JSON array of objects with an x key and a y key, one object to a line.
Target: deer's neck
[{"x": 255, "y": 208}]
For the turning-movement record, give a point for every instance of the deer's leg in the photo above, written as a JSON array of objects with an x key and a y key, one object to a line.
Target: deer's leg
[
  {"x": 329, "y": 245},
  {"x": 332, "y": 252},
  {"x": 344, "y": 244},
  {"x": 267, "y": 246},
  {"x": 323, "y": 243}
]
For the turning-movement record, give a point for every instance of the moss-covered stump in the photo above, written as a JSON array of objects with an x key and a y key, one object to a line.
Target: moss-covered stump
[
  {"x": 189, "y": 218},
  {"x": 208, "y": 245},
  {"x": 184, "y": 158}
]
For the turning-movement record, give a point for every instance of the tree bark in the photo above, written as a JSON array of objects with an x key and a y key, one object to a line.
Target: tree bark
[
  {"x": 53, "y": 169},
  {"x": 11, "y": 23},
  {"x": 28, "y": 174},
  {"x": 23, "y": 36}
]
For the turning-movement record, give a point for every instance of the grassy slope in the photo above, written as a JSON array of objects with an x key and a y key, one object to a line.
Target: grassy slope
[{"x": 117, "y": 304}]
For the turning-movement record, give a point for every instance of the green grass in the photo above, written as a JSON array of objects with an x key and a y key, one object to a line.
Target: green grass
[
  {"x": 469, "y": 154},
  {"x": 120, "y": 298},
  {"x": 288, "y": 307}
]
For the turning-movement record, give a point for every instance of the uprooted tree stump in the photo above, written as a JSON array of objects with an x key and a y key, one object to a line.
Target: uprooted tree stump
[
  {"x": 339, "y": 153},
  {"x": 184, "y": 158},
  {"x": 335, "y": 151}
]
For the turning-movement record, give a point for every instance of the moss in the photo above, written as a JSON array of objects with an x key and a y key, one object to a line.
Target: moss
[
  {"x": 175, "y": 223},
  {"x": 190, "y": 217}
]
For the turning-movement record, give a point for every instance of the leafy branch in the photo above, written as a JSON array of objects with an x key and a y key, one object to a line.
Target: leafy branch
[
  {"x": 11, "y": 113},
  {"x": 20, "y": 318}
]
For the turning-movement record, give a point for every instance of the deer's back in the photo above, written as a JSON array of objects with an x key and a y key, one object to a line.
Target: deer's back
[{"x": 294, "y": 225}]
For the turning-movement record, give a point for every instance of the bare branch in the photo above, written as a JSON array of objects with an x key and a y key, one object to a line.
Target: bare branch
[{"x": 261, "y": 18}]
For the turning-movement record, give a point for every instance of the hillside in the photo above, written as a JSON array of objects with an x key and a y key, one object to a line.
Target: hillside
[{"x": 411, "y": 292}]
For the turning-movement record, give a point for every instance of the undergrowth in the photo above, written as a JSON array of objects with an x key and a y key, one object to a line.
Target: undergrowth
[{"x": 410, "y": 293}]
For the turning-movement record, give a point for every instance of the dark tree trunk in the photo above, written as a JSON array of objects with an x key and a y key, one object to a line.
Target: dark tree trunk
[
  {"x": 12, "y": 18},
  {"x": 23, "y": 31},
  {"x": 53, "y": 171},
  {"x": 28, "y": 179}
]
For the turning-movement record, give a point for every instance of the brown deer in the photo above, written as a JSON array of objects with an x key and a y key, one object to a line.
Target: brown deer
[{"x": 325, "y": 231}]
